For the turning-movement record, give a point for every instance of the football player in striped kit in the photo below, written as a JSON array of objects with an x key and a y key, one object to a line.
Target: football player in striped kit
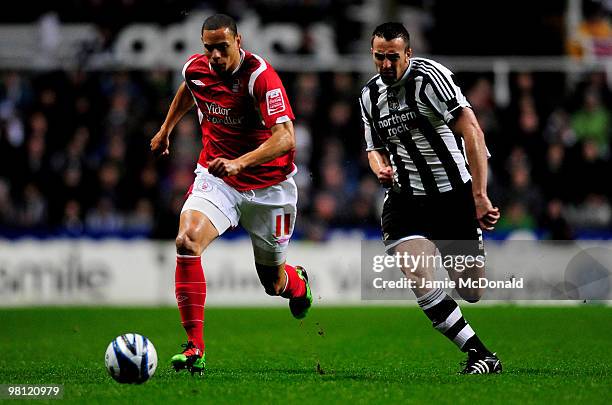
[{"x": 421, "y": 133}]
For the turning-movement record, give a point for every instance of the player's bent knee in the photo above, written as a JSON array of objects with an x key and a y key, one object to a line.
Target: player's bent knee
[
  {"x": 416, "y": 276},
  {"x": 471, "y": 295},
  {"x": 186, "y": 246}
]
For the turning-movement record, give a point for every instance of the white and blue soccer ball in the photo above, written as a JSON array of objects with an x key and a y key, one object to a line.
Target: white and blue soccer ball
[{"x": 131, "y": 358}]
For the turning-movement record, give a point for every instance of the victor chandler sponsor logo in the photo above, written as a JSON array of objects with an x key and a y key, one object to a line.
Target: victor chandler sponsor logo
[{"x": 218, "y": 114}]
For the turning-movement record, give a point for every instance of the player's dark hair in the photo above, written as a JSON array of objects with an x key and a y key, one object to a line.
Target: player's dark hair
[
  {"x": 392, "y": 30},
  {"x": 214, "y": 22}
]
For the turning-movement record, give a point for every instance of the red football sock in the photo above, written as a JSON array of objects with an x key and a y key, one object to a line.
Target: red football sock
[
  {"x": 295, "y": 287},
  {"x": 190, "y": 290}
]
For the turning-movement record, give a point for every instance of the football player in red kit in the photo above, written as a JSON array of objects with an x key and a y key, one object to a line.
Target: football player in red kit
[{"x": 243, "y": 175}]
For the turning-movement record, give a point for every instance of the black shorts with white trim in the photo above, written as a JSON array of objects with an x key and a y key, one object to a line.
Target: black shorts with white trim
[{"x": 448, "y": 219}]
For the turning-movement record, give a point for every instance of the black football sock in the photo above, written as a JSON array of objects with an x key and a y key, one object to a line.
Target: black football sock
[{"x": 448, "y": 319}]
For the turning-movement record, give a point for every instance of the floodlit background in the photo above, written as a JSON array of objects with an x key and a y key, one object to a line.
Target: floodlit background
[
  {"x": 88, "y": 217},
  {"x": 85, "y": 84}
]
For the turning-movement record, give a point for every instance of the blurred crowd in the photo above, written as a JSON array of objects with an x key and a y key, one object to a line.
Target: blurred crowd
[
  {"x": 551, "y": 154},
  {"x": 75, "y": 160}
]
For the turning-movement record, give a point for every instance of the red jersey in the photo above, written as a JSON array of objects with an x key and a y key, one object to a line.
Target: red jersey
[{"x": 236, "y": 114}]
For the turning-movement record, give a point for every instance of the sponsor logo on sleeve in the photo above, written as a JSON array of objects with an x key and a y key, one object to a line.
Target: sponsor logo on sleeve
[{"x": 275, "y": 102}]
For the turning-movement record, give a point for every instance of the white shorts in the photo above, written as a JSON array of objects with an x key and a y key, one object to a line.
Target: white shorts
[{"x": 267, "y": 214}]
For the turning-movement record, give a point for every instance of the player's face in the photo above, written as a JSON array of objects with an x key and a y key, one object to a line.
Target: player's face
[
  {"x": 222, "y": 49},
  {"x": 391, "y": 58}
]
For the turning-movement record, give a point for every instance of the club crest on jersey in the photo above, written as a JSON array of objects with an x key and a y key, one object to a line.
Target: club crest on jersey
[
  {"x": 392, "y": 100},
  {"x": 275, "y": 102}
]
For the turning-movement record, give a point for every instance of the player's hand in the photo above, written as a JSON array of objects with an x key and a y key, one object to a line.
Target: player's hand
[
  {"x": 160, "y": 144},
  {"x": 486, "y": 214},
  {"x": 385, "y": 176},
  {"x": 223, "y": 167}
]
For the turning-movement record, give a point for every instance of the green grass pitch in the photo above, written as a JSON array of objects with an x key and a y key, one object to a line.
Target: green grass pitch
[{"x": 337, "y": 355}]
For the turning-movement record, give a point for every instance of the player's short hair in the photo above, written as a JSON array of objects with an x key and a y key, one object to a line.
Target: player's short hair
[
  {"x": 391, "y": 30},
  {"x": 214, "y": 22}
]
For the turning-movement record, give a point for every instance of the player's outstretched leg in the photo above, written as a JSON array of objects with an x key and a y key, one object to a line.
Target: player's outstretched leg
[
  {"x": 448, "y": 320},
  {"x": 196, "y": 232},
  {"x": 190, "y": 290},
  {"x": 444, "y": 312},
  {"x": 288, "y": 282}
]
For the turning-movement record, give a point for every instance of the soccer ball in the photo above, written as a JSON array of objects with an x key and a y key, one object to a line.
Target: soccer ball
[{"x": 131, "y": 358}]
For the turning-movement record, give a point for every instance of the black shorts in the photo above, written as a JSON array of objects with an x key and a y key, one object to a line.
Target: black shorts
[{"x": 448, "y": 219}]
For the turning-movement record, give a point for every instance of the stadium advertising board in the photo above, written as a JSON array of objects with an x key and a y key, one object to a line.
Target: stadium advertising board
[{"x": 142, "y": 273}]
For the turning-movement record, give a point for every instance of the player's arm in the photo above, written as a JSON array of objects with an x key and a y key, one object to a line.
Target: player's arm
[
  {"x": 381, "y": 166},
  {"x": 467, "y": 126},
  {"x": 378, "y": 157},
  {"x": 271, "y": 99},
  {"x": 281, "y": 142},
  {"x": 180, "y": 105}
]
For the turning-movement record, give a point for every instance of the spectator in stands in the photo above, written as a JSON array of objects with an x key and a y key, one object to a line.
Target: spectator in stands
[
  {"x": 322, "y": 217},
  {"x": 71, "y": 143},
  {"x": 104, "y": 218},
  {"x": 558, "y": 128},
  {"x": 594, "y": 212},
  {"x": 590, "y": 169},
  {"x": 554, "y": 174},
  {"x": 523, "y": 190},
  {"x": 366, "y": 205},
  {"x": 141, "y": 219},
  {"x": 72, "y": 221},
  {"x": 528, "y": 134},
  {"x": 516, "y": 217},
  {"x": 31, "y": 209},
  {"x": 555, "y": 223},
  {"x": 7, "y": 212},
  {"x": 480, "y": 96},
  {"x": 592, "y": 122},
  {"x": 307, "y": 92}
]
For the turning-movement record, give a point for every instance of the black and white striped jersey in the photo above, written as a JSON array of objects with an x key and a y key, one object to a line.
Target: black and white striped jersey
[{"x": 410, "y": 119}]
